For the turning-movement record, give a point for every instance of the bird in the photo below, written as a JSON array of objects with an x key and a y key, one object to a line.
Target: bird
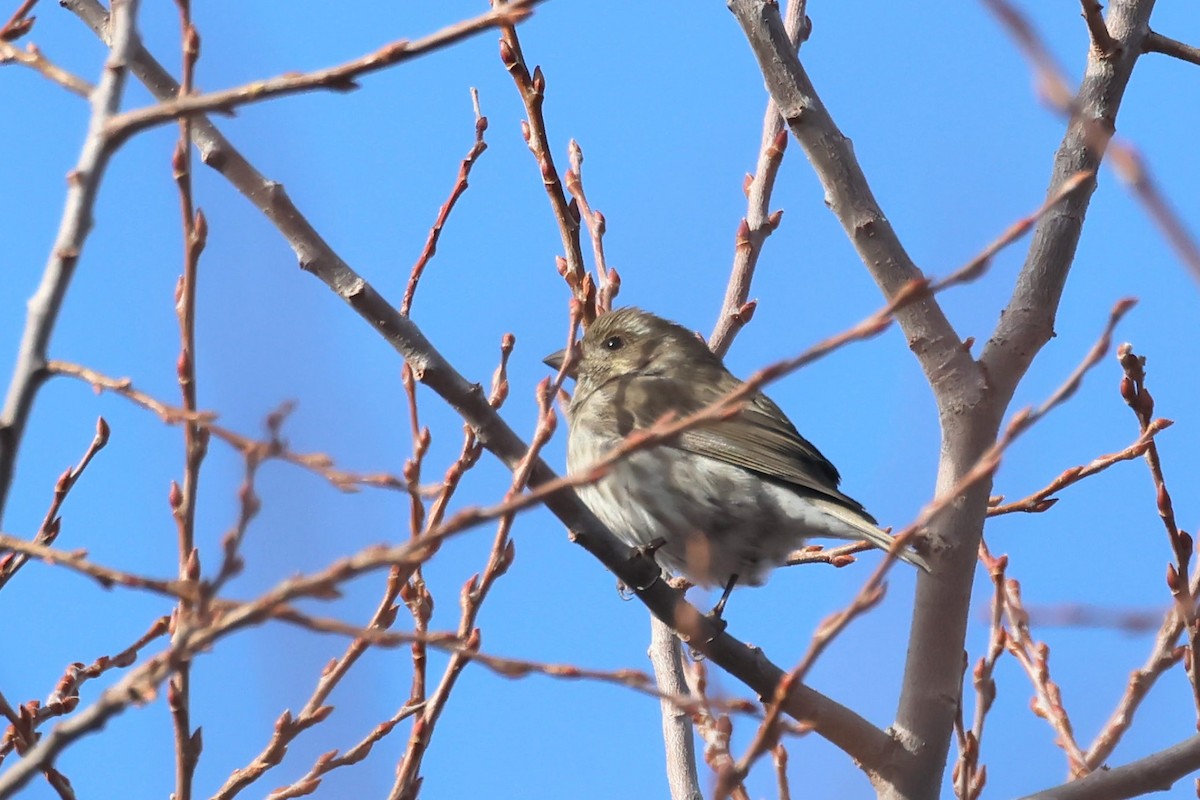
[{"x": 719, "y": 505}]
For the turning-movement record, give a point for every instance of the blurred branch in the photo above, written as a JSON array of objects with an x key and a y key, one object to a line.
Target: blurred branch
[
  {"x": 32, "y": 57},
  {"x": 19, "y": 23},
  {"x": 1091, "y": 115},
  {"x": 83, "y": 184}
]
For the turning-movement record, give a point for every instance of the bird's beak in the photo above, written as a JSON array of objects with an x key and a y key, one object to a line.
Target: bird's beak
[{"x": 555, "y": 361}]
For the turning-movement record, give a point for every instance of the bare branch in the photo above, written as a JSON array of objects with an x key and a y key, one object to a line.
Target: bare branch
[
  {"x": 532, "y": 88},
  {"x": 83, "y": 186},
  {"x": 49, "y": 529},
  {"x": 460, "y": 186},
  {"x": 1101, "y": 40},
  {"x": 1156, "y": 772},
  {"x": 273, "y": 448},
  {"x": 32, "y": 57},
  {"x": 1157, "y": 43},
  {"x": 340, "y": 78},
  {"x": 759, "y": 222},
  {"x": 1041, "y": 500},
  {"x": 849, "y": 196},
  {"x": 666, "y": 658},
  {"x": 845, "y": 728}
]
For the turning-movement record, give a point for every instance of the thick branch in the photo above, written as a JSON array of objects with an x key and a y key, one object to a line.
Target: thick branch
[
  {"x": 1154, "y": 773},
  {"x": 83, "y": 186}
]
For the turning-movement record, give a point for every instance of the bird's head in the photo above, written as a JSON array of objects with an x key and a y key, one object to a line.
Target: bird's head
[{"x": 630, "y": 341}]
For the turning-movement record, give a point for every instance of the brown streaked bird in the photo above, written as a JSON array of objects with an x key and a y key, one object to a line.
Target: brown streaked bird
[{"x": 721, "y": 504}]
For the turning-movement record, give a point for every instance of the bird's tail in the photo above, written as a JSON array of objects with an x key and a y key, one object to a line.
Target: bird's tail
[{"x": 859, "y": 527}]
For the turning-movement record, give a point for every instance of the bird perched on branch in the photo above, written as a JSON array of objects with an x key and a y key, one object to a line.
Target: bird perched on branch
[{"x": 720, "y": 504}]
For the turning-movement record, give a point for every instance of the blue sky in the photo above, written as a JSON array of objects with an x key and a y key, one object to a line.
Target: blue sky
[{"x": 667, "y": 108}]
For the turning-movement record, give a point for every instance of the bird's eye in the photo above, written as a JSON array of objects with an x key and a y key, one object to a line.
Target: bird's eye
[{"x": 614, "y": 343}]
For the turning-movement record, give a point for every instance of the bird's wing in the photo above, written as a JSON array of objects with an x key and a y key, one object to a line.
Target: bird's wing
[{"x": 760, "y": 438}]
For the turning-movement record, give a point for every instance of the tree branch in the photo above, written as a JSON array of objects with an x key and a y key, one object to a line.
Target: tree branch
[
  {"x": 849, "y": 196},
  {"x": 83, "y": 186},
  {"x": 340, "y": 78},
  {"x": 1154, "y": 773},
  {"x": 1027, "y": 322},
  {"x": 1157, "y": 43}
]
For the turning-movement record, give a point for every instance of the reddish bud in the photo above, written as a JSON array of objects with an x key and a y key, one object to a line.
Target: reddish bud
[
  {"x": 102, "y": 432},
  {"x": 1128, "y": 392},
  {"x": 780, "y": 143},
  {"x": 1184, "y": 546},
  {"x": 191, "y": 570},
  {"x": 614, "y": 279},
  {"x": 507, "y": 57},
  {"x": 741, "y": 239},
  {"x": 200, "y": 229},
  {"x": 175, "y": 496},
  {"x": 746, "y": 312},
  {"x": 539, "y": 81},
  {"x": 774, "y": 219}
]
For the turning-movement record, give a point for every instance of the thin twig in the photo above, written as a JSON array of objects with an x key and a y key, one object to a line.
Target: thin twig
[
  {"x": 833, "y": 720},
  {"x": 759, "y": 222},
  {"x": 532, "y": 88},
  {"x": 31, "y": 56},
  {"x": 274, "y": 448},
  {"x": 609, "y": 279},
  {"x": 51, "y": 523},
  {"x": 460, "y": 186},
  {"x": 1041, "y": 500},
  {"x": 340, "y": 78},
  {"x": 183, "y": 499},
  {"x": 1133, "y": 391}
]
